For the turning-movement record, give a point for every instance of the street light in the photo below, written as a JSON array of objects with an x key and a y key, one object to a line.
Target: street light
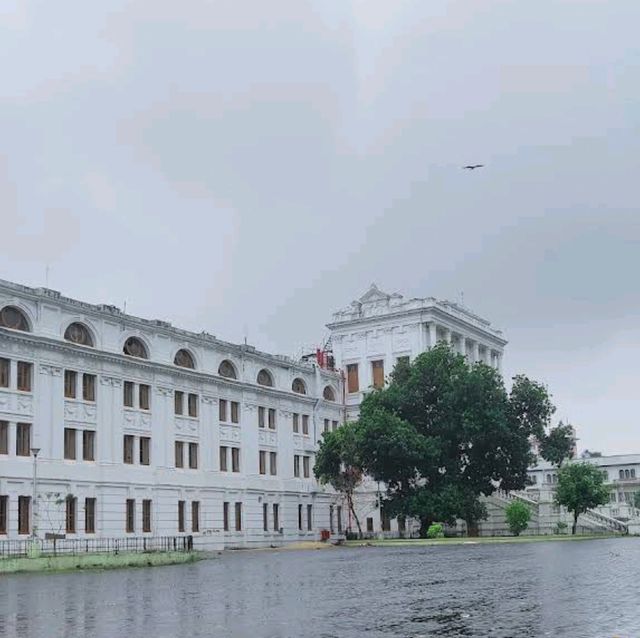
[{"x": 34, "y": 529}]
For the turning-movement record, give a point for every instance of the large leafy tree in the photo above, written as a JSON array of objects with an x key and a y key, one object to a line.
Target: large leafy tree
[
  {"x": 445, "y": 432},
  {"x": 557, "y": 445},
  {"x": 580, "y": 487}
]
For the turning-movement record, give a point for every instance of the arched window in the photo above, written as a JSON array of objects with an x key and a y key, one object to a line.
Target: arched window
[
  {"x": 227, "y": 369},
  {"x": 298, "y": 386},
  {"x": 555, "y": 478},
  {"x": 621, "y": 474},
  {"x": 548, "y": 478},
  {"x": 135, "y": 348},
  {"x": 633, "y": 473},
  {"x": 626, "y": 474},
  {"x": 78, "y": 333},
  {"x": 12, "y": 317},
  {"x": 265, "y": 378},
  {"x": 184, "y": 359},
  {"x": 328, "y": 394}
]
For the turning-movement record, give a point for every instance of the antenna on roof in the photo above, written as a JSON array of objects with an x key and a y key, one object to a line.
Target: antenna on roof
[
  {"x": 46, "y": 276},
  {"x": 462, "y": 297}
]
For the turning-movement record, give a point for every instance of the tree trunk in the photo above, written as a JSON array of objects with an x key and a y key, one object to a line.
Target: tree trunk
[
  {"x": 575, "y": 523},
  {"x": 352, "y": 509},
  {"x": 425, "y": 524}
]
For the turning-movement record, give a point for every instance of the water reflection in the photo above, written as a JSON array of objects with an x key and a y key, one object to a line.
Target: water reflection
[{"x": 586, "y": 589}]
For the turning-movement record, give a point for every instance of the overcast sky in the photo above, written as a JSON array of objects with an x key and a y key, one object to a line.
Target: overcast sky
[{"x": 249, "y": 167}]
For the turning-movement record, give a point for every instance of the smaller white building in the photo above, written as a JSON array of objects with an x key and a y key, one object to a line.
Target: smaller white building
[{"x": 621, "y": 473}]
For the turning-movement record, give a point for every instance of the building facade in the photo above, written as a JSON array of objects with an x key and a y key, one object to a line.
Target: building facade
[
  {"x": 141, "y": 428},
  {"x": 370, "y": 336}
]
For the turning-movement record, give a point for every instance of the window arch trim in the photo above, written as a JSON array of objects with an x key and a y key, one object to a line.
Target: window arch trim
[
  {"x": 136, "y": 345},
  {"x": 85, "y": 336},
  {"x": 184, "y": 359},
  {"x": 265, "y": 378},
  {"x": 227, "y": 369},
  {"x": 299, "y": 386},
  {"x": 14, "y": 317}
]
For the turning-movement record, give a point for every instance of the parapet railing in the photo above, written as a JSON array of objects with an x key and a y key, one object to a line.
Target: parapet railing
[{"x": 74, "y": 546}]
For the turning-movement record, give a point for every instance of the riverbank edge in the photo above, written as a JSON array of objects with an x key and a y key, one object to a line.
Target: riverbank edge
[
  {"x": 482, "y": 540},
  {"x": 71, "y": 562}
]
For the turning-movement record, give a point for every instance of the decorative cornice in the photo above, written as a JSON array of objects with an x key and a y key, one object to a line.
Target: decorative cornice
[{"x": 54, "y": 371}]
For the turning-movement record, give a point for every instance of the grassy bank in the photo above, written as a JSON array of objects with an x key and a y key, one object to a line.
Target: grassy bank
[
  {"x": 413, "y": 542},
  {"x": 94, "y": 561}
]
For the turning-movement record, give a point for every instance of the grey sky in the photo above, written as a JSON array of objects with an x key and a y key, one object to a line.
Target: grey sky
[{"x": 253, "y": 166}]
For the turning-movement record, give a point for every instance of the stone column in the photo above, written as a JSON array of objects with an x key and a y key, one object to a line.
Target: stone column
[
  {"x": 432, "y": 334},
  {"x": 463, "y": 345},
  {"x": 476, "y": 352},
  {"x": 447, "y": 335},
  {"x": 498, "y": 361}
]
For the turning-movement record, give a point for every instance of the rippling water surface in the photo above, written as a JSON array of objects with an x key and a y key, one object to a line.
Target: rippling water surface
[{"x": 585, "y": 589}]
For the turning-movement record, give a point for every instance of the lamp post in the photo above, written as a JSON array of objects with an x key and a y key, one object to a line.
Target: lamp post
[{"x": 34, "y": 527}]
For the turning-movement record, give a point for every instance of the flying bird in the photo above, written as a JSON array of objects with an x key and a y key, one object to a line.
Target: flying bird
[{"x": 471, "y": 167}]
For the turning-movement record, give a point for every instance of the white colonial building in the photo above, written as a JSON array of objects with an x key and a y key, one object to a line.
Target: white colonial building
[
  {"x": 141, "y": 428},
  {"x": 370, "y": 336}
]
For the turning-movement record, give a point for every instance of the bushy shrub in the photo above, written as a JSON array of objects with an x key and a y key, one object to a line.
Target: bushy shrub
[
  {"x": 561, "y": 527},
  {"x": 518, "y": 517},
  {"x": 435, "y": 531}
]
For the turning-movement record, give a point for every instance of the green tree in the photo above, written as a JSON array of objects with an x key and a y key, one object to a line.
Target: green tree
[
  {"x": 518, "y": 516},
  {"x": 557, "y": 445},
  {"x": 337, "y": 464},
  {"x": 580, "y": 487},
  {"x": 444, "y": 432},
  {"x": 636, "y": 500}
]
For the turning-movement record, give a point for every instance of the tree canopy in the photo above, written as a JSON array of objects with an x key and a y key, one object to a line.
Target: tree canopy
[
  {"x": 580, "y": 487},
  {"x": 557, "y": 445},
  {"x": 444, "y": 432}
]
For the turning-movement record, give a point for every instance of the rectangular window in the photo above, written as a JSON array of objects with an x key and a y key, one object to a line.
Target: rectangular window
[
  {"x": 4, "y": 506},
  {"x": 296, "y": 422},
  {"x": 193, "y": 456},
  {"x": 339, "y": 516},
  {"x": 334, "y": 425},
  {"x": 222, "y": 410},
  {"x": 225, "y": 516},
  {"x": 296, "y": 465},
  {"x": 88, "y": 445},
  {"x": 261, "y": 412},
  {"x": 24, "y": 376},
  {"x": 127, "y": 449},
  {"x": 146, "y": 515},
  {"x": 305, "y": 466},
  {"x": 377, "y": 372},
  {"x": 23, "y": 439},
  {"x": 385, "y": 522},
  {"x": 262, "y": 461},
  {"x": 223, "y": 458},
  {"x": 130, "y": 526},
  {"x": 89, "y": 387},
  {"x": 128, "y": 394},
  {"x": 4, "y": 437},
  {"x": 145, "y": 450},
  {"x": 24, "y": 514},
  {"x": 276, "y": 517},
  {"x": 235, "y": 459},
  {"x": 5, "y": 368},
  {"x": 193, "y": 405},
  {"x": 369, "y": 524},
  {"x": 195, "y": 516},
  {"x": 71, "y": 515},
  {"x": 178, "y": 402},
  {"x": 273, "y": 463},
  {"x": 238, "y": 517},
  {"x": 353, "y": 384},
  {"x": 179, "y": 453},
  {"x": 89, "y": 515},
  {"x": 331, "y": 518},
  {"x": 70, "y": 383},
  {"x": 181, "y": 506},
  {"x": 144, "y": 393},
  {"x": 309, "y": 517},
  {"x": 70, "y": 444},
  {"x": 235, "y": 412},
  {"x": 300, "y": 517},
  {"x": 272, "y": 419},
  {"x": 326, "y": 425},
  {"x": 265, "y": 517},
  {"x": 305, "y": 424}
]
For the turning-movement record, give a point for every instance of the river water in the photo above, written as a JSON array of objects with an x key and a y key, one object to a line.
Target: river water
[{"x": 581, "y": 589}]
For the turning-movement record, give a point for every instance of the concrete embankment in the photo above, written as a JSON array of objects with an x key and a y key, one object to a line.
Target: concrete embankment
[{"x": 68, "y": 562}]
